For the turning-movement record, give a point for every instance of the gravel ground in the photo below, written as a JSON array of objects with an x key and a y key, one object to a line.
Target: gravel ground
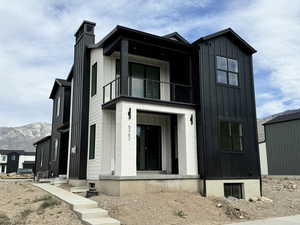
[
  {"x": 24, "y": 204},
  {"x": 193, "y": 209}
]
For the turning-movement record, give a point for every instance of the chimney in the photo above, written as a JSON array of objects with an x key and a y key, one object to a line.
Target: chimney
[
  {"x": 84, "y": 37},
  {"x": 86, "y": 28}
]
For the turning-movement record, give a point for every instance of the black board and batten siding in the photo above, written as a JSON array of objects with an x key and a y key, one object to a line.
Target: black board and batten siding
[
  {"x": 80, "y": 106},
  {"x": 58, "y": 159},
  {"x": 219, "y": 102},
  {"x": 42, "y": 158},
  {"x": 283, "y": 147}
]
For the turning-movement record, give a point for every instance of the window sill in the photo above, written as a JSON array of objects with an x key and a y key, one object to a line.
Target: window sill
[{"x": 228, "y": 86}]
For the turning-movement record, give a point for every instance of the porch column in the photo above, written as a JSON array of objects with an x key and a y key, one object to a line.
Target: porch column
[
  {"x": 125, "y": 140},
  {"x": 187, "y": 144},
  {"x": 124, "y": 67}
]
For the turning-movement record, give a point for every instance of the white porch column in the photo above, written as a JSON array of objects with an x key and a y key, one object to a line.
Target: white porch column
[
  {"x": 187, "y": 144},
  {"x": 125, "y": 139}
]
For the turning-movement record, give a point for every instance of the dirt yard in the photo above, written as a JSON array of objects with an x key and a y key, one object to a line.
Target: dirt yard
[
  {"x": 193, "y": 209},
  {"x": 23, "y": 204}
]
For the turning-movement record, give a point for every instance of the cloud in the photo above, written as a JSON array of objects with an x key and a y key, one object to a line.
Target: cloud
[{"x": 37, "y": 44}]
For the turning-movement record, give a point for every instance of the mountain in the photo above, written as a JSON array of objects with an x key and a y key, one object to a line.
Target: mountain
[
  {"x": 22, "y": 138},
  {"x": 260, "y": 122}
]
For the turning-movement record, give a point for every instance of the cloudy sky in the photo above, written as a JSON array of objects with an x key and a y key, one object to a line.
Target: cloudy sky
[{"x": 36, "y": 44}]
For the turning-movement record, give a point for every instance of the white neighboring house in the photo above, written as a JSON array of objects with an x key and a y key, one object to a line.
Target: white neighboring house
[
  {"x": 3, "y": 162},
  {"x": 27, "y": 159},
  {"x": 263, "y": 158}
]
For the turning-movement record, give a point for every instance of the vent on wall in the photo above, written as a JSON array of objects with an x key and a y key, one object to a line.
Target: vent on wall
[{"x": 233, "y": 190}]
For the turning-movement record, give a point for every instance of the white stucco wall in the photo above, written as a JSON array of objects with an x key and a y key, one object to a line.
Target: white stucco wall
[
  {"x": 23, "y": 158},
  {"x": 107, "y": 132},
  {"x": 126, "y": 137},
  {"x": 263, "y": 158}
]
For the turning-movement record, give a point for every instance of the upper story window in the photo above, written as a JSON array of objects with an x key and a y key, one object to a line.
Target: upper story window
[
  {"x": 144, "y": 80},
  {"x": 13, "y": 157},
  {"x": 94, "y": 80},
  {"x": 58, "y": 107},
  {"x": 227, "y": 71},
  {"x": 3, "y": 158},
  {"x": 231, "y": 136}
]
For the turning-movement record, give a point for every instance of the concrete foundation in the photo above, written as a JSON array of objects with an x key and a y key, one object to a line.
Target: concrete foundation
[
  {"x": 77, "y": 182},
  {"x": 119, "y": 186},
  {"x": 251, "y": 187}
]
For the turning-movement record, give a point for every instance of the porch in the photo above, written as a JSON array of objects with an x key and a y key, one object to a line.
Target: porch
[{"x": 166, "y": 81}]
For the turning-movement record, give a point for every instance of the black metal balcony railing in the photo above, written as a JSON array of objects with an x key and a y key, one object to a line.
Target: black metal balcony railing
[{"x": 149, "y": 89}]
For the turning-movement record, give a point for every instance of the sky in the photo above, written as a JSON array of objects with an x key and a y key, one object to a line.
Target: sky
[{"x": 37, "y": 44}]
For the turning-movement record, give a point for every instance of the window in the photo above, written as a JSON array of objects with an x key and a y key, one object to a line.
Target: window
[
  {"x": 13, "y": 157},
  {"x": 227, "y": 71},
  {"x": 233, "y": 190},
  {"x": 92, "y": 141},
  {"x": 94, "y": 80},
  {"x": 54, "y": 154},
  {"x": 42, "y": 158},
  {"x": 231, "y": 136},
  {"x": 4, "y": 158},
  {"x": 144, "y": 80},
  {"x": 58, "y": 107},
  {"x": 2, "y": 169}
]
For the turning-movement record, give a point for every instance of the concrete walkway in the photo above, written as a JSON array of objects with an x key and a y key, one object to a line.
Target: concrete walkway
[
  {"x": 289, "y": 220},
  {"x": 86, "y": 209}
]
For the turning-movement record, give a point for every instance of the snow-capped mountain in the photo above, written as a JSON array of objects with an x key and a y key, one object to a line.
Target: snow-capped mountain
[{"x": 22, "y": 138}]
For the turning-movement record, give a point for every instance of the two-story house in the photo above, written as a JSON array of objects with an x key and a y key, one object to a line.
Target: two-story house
[{"x": 156, "y": 113}]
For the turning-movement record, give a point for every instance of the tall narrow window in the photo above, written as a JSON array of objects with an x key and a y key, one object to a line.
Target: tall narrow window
[
  {"x": 92, "y": 141},
  {"x": 227, "y": 71},
  {"x": 231, "y": 136},
  {"x": 94, "y": 80},
  {"x": 42, "y": 158},
  {"x": 54, "y": 154},
  {"x": 58, "y": 107}
]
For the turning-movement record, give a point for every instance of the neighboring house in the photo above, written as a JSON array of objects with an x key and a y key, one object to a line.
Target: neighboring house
[
  {"x": 27, "y": 160},
  {"x": 283, "y": 143},
  {"x": 60, "y": 95},
  {"x": 12, "y": 160},
  {"x": 43, "y": 154},
  {"x": 156, "y": 113}
]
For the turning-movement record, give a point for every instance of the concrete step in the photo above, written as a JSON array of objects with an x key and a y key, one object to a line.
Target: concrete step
[
  {"x": 84, "y": 206},
  {"x": 101, "y": 221},
  {"x": 91, "y": 213},
  {"x": 81, "y": 189}
]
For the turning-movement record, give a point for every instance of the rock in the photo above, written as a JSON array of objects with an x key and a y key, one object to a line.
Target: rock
[
  {"x": 253, "y": 199},
  {"x": 265, "y": 199},
  {"x": 219, "y": 205},
  {"x": 242, "y": 217},
  {"x": 230, "y": 198}
]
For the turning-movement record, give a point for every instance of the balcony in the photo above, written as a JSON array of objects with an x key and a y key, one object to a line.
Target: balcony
[{"x": 151, "y": 90}]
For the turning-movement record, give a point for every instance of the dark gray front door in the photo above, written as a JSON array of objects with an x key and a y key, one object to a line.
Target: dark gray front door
[{"x": 148, "y": 147}]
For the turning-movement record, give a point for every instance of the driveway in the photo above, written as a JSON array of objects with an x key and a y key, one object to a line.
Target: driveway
[{"x": 289, "y": 220}]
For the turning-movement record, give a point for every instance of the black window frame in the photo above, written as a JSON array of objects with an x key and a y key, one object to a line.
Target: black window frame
[
  {"x": 145, "y": 79},
  {"x": 234, "y": 190},
  {"x": 94, "y": 80},
  {"x": 227, "y": 71},
  {"x": 231, "y": 137},
  {"x": 92, "y": 146}
]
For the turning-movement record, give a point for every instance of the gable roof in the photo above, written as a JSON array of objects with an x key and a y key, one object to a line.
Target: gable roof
[
  {"x": 177, "y": 37},
  {"x": 42, "y": 140},
  {"x": 57, "y": 83},
  {"x": 231, "y": 34},
  {"x": 284, "y": 118}
]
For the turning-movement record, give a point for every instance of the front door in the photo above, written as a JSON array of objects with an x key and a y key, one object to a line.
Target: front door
[{"x": 148, "y": 147}]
